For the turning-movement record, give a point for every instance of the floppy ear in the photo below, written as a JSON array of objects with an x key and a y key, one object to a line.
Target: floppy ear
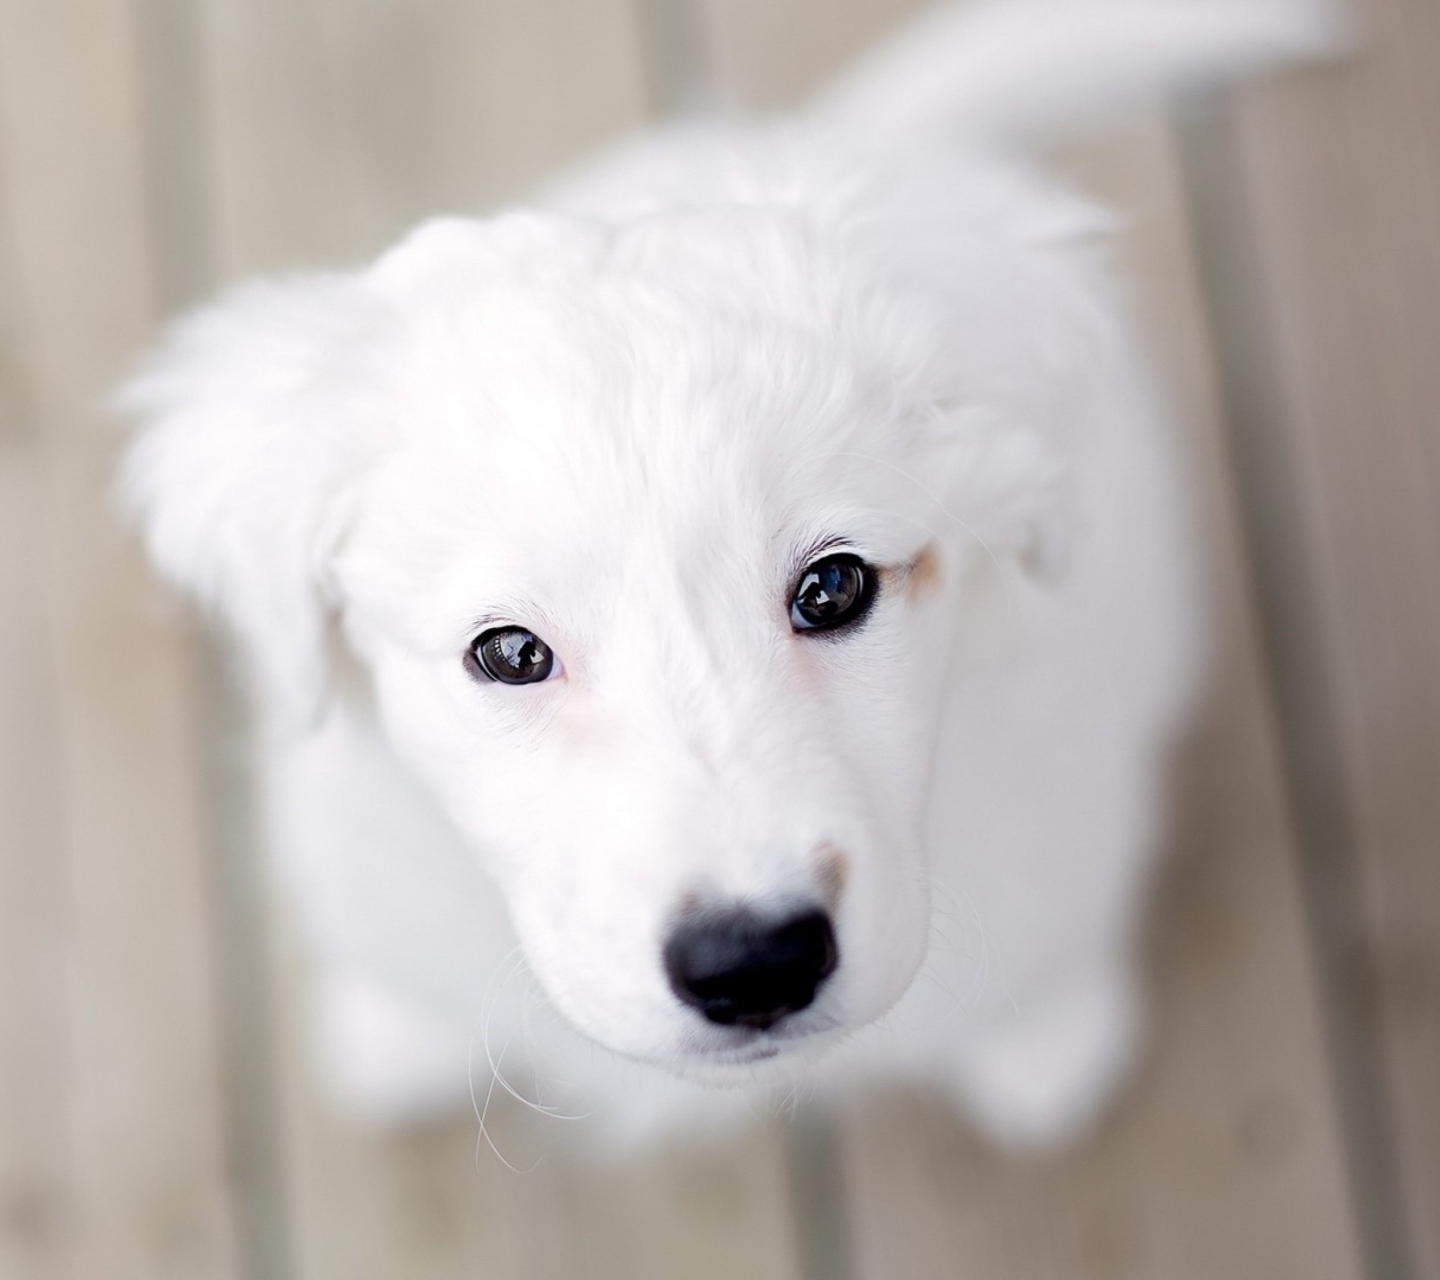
[{"x": 255, "y": 416}]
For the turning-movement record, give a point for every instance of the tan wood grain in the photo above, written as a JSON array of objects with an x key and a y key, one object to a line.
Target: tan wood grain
[
  {"x": 35, "y": 1190},
  {"x": 436, "y": 1200},
  {"x": 440, "y": 1200},
  {"x": 1343, "y": 177},
  {"x": 768, "y": 55},
  {"x": 150, "y": 1158},
  {"x": 15, "y": 421},
  {"x": 712, "y": 1212},
  {"x": 71, "y": 159},
  {"x": 453, "y": 107},
  {"x": 142, "y": 1148},
  {"x": 335, "y": 126}
]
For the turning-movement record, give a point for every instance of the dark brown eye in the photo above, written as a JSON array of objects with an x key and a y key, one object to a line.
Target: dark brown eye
[
  {"x": 832, "y": 592},
  {"x": 510, "y": 655}
]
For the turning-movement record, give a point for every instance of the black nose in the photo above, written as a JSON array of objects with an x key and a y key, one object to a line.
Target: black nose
[{"x": 742, "y": 969}]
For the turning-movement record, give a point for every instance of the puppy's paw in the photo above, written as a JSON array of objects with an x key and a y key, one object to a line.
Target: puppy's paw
[
  {"x": 1042, "y": 1077},
  {"x": 382, "y": 1061}
]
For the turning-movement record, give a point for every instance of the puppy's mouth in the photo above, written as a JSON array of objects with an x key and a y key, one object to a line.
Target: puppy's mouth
[{"x": 741, "y": 1047}]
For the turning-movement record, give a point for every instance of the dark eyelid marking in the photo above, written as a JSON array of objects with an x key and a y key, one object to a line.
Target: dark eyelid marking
[
  {"x": 826, "y": 545},
  {"x": 505, "y": 613}
]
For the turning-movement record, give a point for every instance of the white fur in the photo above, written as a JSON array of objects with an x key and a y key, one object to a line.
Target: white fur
[{"x": 620, "y": 419}]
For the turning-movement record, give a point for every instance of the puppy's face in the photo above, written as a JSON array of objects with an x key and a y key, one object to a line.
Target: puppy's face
[
  {"x": 648, "y": 557},
  {"x": 645, "y": 599}
]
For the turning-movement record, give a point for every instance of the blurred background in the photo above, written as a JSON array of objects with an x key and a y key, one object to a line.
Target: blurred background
[{"x": 157, "y": 1117}]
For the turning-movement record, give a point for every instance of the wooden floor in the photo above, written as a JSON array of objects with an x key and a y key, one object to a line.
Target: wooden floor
[{"x": 157, "y": 1121}]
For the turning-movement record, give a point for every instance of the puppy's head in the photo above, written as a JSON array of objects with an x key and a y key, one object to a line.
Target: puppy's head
[{"x": 653, "y": 539}]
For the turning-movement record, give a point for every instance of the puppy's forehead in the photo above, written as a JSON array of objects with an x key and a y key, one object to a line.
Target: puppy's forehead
[
  {"x": 684, "y": 351},
  {"x": 668, "y": 392},
  {"x": 751, "y": 305}
]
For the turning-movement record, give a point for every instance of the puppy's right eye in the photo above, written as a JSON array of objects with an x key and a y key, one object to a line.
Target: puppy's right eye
[
  {"x": 832, "y": 593},
  {"x": 510, "y": 655}
]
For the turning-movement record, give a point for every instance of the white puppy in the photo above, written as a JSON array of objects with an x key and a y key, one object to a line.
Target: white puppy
[{"x": 746, "y": 597}]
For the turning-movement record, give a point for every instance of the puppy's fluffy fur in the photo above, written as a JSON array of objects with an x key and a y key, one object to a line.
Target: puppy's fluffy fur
[{"x": 625, "y": 419}]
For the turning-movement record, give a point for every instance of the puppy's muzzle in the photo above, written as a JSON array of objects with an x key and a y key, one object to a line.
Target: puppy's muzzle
[{"x": 742, "y": 969}]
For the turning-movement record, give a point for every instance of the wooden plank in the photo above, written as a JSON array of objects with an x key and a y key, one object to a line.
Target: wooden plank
[
  {"x": 770, "y": 55},
  {"x": 35, "y": 1208},
  {"x": 1342, "y": 173},
  {"x": 334, "y": 126},
  {"x": 1225, "y": 1159},
  {"x": 71, "y": 159},
  {"x": 14, "y": 420},
  {"x": 150, "y": 1168},
  {"x": 705, "y": 1212},
  {"x": 148, "y": 1193},
  {"x": 436, "y": 1201},
  {"x": 366, "y": 1204},
  {"x": 457, "y": 107}
]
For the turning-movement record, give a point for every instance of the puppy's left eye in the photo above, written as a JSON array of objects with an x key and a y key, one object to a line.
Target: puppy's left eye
[
  {"x": 510, "y": 655},
  {"x": 833, "y": 592}
]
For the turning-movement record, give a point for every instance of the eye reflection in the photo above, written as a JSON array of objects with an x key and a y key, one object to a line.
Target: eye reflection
[
  {"x": 836, "y": 591},
  {"x": 510, "y": 655}
]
